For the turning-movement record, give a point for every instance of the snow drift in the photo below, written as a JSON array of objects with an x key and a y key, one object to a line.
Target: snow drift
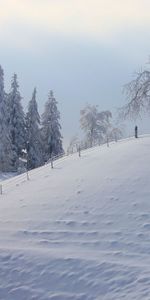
[{"x": 80, "y": 231}]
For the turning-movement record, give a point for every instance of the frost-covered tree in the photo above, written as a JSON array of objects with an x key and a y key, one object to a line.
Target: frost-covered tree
[
  {"x": 51, "y": 128},
  {"x": 88, "y": 121},
  {"x": 115, "y": 134},
  {"x": 7, "y": 155},
  {"x": 137, "y": 93},
  {"x": 16, "y": 118},
  {"x": 73, "y": 145},
  {"x": 104, "y": 126},
  {"x": 95, "y": 124},
  {"x": 33, "y": 134}
]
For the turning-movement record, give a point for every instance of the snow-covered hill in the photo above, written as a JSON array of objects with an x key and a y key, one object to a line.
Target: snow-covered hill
[{"x": 80, "y": 231}]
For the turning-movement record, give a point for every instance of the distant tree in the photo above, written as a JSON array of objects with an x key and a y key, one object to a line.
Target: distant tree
[
  {"x": 6, "y": 152},
  {"x": 73, "y": 145},
  {"x": 16, "y": 119},
  {"x": 104, "y": 126},
  {"x": 115, "y": 134},
  {"x": 33, "y": 135},
  {"x": 137, "y": 94},
  {"x": 51, "y": 128},
  {"x": 88, "y": 121},
  {"x": 95, "y": 124}
]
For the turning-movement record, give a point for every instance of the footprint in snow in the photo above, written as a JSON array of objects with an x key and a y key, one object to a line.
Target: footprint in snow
[
  {"x": 86, "y": 212},
  {"x": 22, "y": 206},
  {"x": 140, "y": 235},
  {"x": 109, "y": 223},
  {"x": 79, "y": 192},
  {"x": 146, "y": 226},
  {"x": 144, "y": 216},
  {"x": 114, "y": 198}
]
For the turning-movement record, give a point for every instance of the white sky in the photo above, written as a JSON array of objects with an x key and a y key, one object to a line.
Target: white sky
[
  {"x": 83, "y": 49},
  {"x": 94, "y": 18}
]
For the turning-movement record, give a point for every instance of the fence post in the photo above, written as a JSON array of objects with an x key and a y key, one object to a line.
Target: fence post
[
  {"x": 27, "y": 175},
  {"x": 136, "y": 132},
  {"x": 79, "y": 151},
  {"x": 52, "y": 166},
  {"x": 107, "y": 141},
  {"x": 1, "y": 190}
]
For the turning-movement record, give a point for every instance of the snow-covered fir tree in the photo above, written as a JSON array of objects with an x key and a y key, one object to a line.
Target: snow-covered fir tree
[
  {"x": 51, "y": 135},
  {"x": 33, "y": 134},
  {"x": 16, "y": 119},
  {"x": 7, "y": 155}
]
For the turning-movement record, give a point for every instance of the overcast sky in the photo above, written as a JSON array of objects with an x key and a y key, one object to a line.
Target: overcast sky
[{"x": 85, "y": 50}]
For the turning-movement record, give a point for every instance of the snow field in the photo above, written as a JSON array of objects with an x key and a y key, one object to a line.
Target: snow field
[{"x": 79, "y": 231}]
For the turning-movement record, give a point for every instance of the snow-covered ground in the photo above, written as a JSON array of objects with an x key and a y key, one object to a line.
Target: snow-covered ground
[{"x": 80, "y": 231}]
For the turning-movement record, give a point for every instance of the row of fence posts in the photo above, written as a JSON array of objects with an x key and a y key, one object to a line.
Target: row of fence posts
[
  {"x": 1, "y": 189},
  {"x": 52, "y": 158},
  {"x": 25, "y": 159}
]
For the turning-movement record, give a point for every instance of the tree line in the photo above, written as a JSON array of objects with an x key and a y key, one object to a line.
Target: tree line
[
  {"x": 27, "y": 134},
  {"x": 39, "y": 137}
]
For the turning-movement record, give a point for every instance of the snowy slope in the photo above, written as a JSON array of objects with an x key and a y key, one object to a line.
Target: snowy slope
[{"x": 80, "y": 231}]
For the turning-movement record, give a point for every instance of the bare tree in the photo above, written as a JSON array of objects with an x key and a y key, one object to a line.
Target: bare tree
[{"x": 138, "y": 97}]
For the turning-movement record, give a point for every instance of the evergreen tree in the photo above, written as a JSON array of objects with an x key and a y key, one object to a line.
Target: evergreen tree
[
  {"x": 33, "y": 136},
  {"x": 6, "y": 153},
  {"x": 16, "y": 119},
  {"x": 51, "y": 127}
]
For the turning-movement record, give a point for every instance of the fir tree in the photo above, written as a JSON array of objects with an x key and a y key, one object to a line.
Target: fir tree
[
  {"x": 51, "y": 127},
  {"x": 33, "y": 136},
  {"x": 16, "y": 119},
  {"x": 6, "y": 153}
]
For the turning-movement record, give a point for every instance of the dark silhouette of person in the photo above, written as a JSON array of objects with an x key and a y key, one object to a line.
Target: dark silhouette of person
[{"x": 136, "y": 132}]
